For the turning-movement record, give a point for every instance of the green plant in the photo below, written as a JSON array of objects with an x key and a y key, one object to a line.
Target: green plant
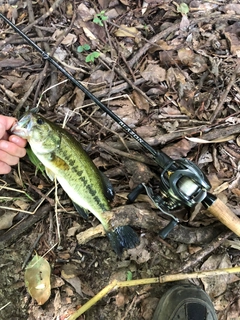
[
  {"x": 99, "y": 18},
  {"x": 84, "y": 47},
  {"x": 182, "y": 8},
  {"x": 92, "y": 56},
  {"x": 129, "y": 275}
]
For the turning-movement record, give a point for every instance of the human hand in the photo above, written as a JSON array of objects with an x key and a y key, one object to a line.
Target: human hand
[{"x": 11, "y": 146}]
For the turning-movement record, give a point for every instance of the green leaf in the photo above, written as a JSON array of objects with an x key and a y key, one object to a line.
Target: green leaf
[
  {"x": 80, "y": 49},
  {"x": 84, "y": 47},
  {"x": 99, "y": 18},
  {"x": 92, "y": 56},
  {"x": 129, "y": 275},
  {"x": 98, "y": 21},
  {"x": 183, "y": 8}
]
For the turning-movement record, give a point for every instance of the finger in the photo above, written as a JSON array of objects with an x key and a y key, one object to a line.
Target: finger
[
  {"x": 4, "y": 168},
  {"x": 11, "y": 149},
  {"x": 8, "y": 158},
  {"x": 2, "y": 131},
  {"x": 7, "y": 122},
  {"x": 18, "y": 141}
]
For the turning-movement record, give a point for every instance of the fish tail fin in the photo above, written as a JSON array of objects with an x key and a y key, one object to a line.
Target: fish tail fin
[{"x": 123, "y": 237}]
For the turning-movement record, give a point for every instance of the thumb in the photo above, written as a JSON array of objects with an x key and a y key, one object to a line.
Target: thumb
[
  {"x": 5, "y": 124},
  {"x": 2, "y": 130}
]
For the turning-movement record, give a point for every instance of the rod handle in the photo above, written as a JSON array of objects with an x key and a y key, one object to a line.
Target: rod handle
[{"x": 217, "y": 208}]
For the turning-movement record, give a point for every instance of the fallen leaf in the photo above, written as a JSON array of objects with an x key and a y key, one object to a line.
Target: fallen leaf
[
  {"x": 140, "y": 254},
  {"x": 37, "y": 279},
  {"x": 154, "y": 73},
  {"x": 6, "y": 219},
  {"x": 216, "y": 285},
  {"x": 69, "y": 39},
  {"x": 140, "y": 101},
  {"x": 85, "y": 13},
  {"x": 184, "y": 24},
  {"x": 178, "y": 150},
  {"x": 125, "y": 31}
]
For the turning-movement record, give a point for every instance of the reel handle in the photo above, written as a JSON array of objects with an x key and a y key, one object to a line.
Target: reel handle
[
  {"x": 165, "y": 231},
  {"x": 135, "y": 193}
]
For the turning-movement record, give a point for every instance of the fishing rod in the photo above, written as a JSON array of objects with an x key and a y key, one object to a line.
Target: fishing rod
[{"x": 182, "y": 183}]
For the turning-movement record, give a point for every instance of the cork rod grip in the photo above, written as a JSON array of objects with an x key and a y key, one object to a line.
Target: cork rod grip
[{"x": 225, "y": 215}]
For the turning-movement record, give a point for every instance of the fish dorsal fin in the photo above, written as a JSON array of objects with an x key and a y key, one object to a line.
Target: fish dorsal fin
[{"x": 107, "y": 187}]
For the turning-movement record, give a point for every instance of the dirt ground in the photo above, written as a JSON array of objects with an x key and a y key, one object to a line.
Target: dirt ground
[{"x": 170, "y": 70}]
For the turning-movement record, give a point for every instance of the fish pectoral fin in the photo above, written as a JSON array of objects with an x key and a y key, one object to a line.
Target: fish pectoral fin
[
  {"x": 58, "y": 162},
  {"x": 83, "y": 212},
  {"x": 50, "y": 174}
]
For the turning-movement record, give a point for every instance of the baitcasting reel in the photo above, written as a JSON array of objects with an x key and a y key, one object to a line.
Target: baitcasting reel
[{"x": 186, "y": 185}]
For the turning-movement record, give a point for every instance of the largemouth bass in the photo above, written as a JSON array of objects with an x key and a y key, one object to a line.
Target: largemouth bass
[{"x": 65, "y": 159}]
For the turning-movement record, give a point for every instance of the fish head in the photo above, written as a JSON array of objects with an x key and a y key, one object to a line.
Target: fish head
[{"x": 38, "y": 131}]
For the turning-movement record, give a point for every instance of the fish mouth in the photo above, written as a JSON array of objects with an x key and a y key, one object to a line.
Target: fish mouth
[{"x": 23, "y": 127}]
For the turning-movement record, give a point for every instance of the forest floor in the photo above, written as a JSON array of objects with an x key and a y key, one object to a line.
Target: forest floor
[{"x": 171, "y": 72}]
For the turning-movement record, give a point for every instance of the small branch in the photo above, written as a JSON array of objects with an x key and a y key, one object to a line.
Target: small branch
[
  {"x": 162, "y": 279},
  {"x": 223, "y": 97}
]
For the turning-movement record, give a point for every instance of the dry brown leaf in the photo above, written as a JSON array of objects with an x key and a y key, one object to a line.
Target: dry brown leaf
[
  {"x": 72, "y": 231},
  {"x": 195, "y": 62},
  {"x": 233, "y": 8},
  {"x": 6, "y": 219},
  {"x": 85, "y": 13},
  {"x": 140, "y": 101},
  {"x": 178, "y": 150},
  {"x": 216, "y": 285},
  {"x": 170, "y": 126},
  {"x": 231, "y": 33},
  {"x": 184, "y": 24},
  {"x": 22, "y": 204},
  {"x": 125, "y": 31},
  {"x": 186, "y": 56},
  {"x": 76, "y": 284},
  {"x": 79, "y": 98},
  {"x": 140, "y": 254},
  {"x": 154, "y": 73},
  {"x": 69, "y": 39}
]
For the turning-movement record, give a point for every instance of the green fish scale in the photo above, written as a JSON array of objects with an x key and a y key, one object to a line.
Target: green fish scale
[{"x": 82, "y": 174}]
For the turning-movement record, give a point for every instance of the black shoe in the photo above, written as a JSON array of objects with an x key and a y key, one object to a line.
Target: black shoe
[{"x": 185, "y": 302}]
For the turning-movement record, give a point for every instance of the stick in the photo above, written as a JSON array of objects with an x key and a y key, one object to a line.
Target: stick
[{"x": 162, "y": 279}]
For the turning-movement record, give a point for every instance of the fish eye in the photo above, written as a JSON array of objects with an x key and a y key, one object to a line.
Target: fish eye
[{"x": 40, "y": 121}]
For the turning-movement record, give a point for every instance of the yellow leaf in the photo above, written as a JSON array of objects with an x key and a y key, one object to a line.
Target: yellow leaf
[
  {"x": 37, "y": 279},
  {"x": 125, "y": 31}
]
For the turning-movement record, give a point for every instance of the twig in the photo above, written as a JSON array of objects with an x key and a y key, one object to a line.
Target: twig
[
  {"x": 201, "y": 254},
  {"x": 25, "y": 97},
  {"x": 44, "y": 16},
  {"x": 121, "y": 73},
  {"x": 32, "y": 249},
  {"x": 11, "y": 235},
  {"x": 162, "y": 279},
  {"x": 139, "y": 158},
  {"x": 163, "y": 34},
  {"x": 223, "y": 97}
]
